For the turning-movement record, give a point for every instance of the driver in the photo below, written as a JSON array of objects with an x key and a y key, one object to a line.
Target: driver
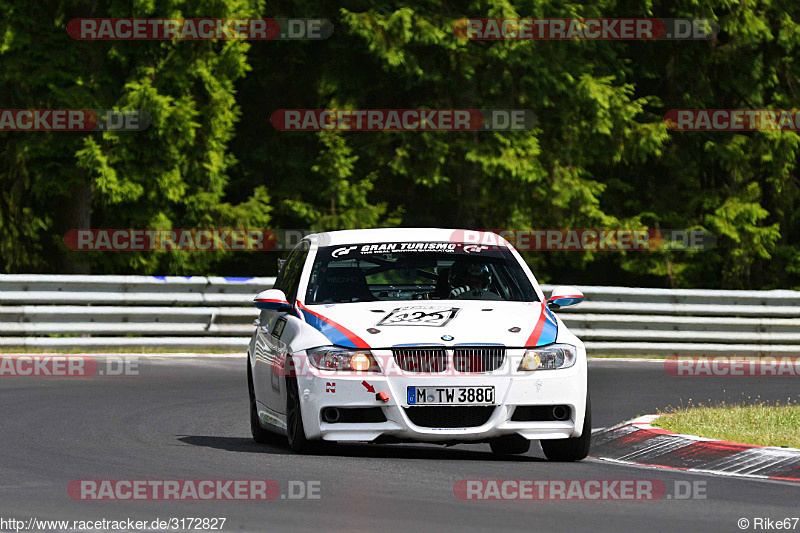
[{"x": 468, "y": 276}]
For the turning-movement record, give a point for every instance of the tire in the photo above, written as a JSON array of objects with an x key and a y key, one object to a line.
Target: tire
[
  {"x": 294, "y": 420},
  {"x": 571, "y": 449},
  {"x": 260, "y": 435},
  {"x": 510, "y": 445}
]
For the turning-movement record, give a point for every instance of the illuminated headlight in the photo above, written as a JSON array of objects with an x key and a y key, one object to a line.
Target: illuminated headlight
[
  {"x": 337, "y": 358},
  {"x": 549, "y": 357}
]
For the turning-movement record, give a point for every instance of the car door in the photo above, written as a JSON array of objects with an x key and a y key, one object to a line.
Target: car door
[{"x": 274, "y": 337}]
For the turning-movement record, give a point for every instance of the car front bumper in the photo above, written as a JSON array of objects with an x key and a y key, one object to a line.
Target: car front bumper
[{"x": 320, "y": 390}]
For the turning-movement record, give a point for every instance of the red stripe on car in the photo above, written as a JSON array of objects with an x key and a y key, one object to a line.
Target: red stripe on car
[{"x": 537, "y": 331}]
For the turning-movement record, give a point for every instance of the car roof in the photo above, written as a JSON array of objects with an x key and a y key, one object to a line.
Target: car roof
[{"x": 376, "y": 235}]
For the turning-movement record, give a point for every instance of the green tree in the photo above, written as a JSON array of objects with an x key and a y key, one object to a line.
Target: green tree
[{"x": 173, "y": 175}]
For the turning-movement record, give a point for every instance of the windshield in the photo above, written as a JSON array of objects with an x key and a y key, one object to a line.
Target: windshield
[{"x": 416, "y": 271}]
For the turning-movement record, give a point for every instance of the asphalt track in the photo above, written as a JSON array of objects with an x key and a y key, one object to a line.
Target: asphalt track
[{"x": 187, "y": 418}]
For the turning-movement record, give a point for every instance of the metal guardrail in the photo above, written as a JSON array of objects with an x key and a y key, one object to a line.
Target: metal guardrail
[
  {"x": 151, "y": 312},
  {"x": 215, "y": 313}
]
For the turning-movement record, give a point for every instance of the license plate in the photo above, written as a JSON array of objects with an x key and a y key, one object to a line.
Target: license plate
[{"x": 450, "y": 395}]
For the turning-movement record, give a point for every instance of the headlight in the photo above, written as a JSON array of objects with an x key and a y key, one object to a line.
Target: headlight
[
  {"x": 337, "y": 358},
  {"x": 549, "y": 357}
]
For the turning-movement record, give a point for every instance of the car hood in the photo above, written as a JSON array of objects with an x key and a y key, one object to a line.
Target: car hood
[{"x": 385, "y": 324}]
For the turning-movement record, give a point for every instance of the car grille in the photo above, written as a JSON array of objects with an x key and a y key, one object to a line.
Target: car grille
[
  {"x": 479, "y": 358},
  {"x": 449, "y": 417},
  {"x": 421, "y": 359},
  {"x": 465, "y": 359}
]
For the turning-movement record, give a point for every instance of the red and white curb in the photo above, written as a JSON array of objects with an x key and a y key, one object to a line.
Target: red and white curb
[{"x": 638, "y": 443}]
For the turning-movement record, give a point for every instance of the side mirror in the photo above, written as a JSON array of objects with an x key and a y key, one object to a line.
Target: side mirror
[
  {"x": 564, "y": 296},
  {"x": 273, "y": 300}
]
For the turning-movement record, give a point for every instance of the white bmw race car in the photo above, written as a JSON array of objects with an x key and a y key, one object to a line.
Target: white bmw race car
[{"x": 416, "y": 335}]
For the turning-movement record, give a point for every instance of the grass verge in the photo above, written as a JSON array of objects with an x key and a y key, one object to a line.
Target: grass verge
[{"x": 760, "y": 423}]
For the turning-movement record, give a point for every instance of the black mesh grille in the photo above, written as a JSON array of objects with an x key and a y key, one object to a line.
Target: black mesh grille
[
  {"x": 363, "y": 415},
  {"x": 538, "y": 413},
  {"x": 479, "y": 358},
  {"x": 449, "y": 417},
  {"x": 421, "y": 359}
]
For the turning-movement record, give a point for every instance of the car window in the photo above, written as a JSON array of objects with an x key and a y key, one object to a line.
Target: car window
[
  {"x": 416, "y": 271},
  {"x": 292, "y": 270}
]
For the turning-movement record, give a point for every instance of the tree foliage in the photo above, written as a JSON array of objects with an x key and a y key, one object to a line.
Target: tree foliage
[{"x": 600, "y": 156}]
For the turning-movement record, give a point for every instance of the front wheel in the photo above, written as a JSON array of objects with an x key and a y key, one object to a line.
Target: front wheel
[
  {"x": 294, "y": 420},
  {"x": 571, "y": 449}
]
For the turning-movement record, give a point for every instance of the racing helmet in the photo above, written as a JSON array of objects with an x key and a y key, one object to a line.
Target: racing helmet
[{"x": 469, "y": 274}]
